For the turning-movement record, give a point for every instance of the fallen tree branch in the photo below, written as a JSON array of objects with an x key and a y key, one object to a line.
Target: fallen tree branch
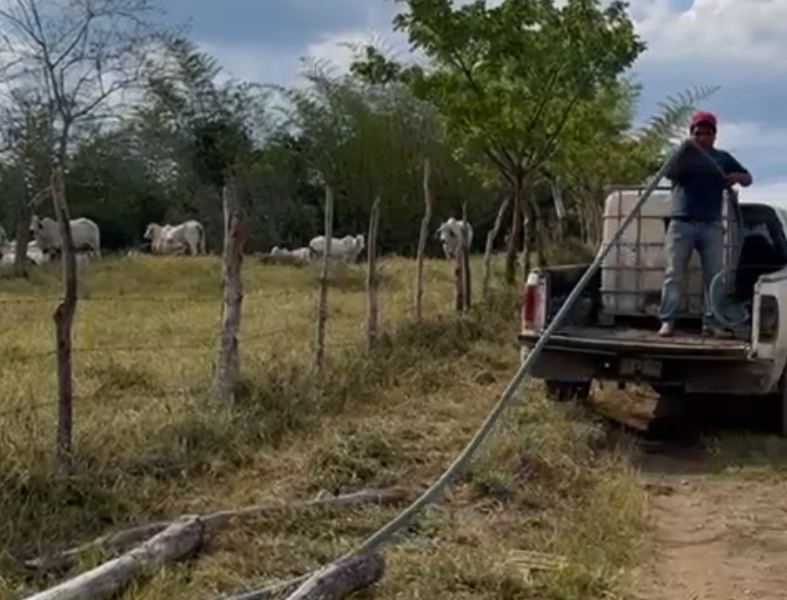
[
  {"x": 341, "y": 578},
  {"x": 178, "y": 541},
  {"x": 212, "y": 522}
]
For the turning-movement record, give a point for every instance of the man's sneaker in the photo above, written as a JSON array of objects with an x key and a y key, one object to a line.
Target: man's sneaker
[{"x": 667, "y": 329}]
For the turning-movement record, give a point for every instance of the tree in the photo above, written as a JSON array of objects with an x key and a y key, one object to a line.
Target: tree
[
  {"x": 508, "y": 79},
  {"x": 82, "y": 57},
  {"x": 204, "y": 132},
  {"x": 28, "y": 138},
  {"x": 368, "y": 141},
  {"x": 604, "y": 147}
]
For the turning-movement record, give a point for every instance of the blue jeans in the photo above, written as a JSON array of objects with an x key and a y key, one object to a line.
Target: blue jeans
[{"x": 681, "y": 240}]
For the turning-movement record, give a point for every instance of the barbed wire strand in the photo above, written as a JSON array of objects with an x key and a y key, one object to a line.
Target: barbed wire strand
[
  {"x": 155, "y": 394},
  {"x": 139, "y": 298}
]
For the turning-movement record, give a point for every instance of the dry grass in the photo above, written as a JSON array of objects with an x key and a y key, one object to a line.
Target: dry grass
[{"x": 148, "y": 448}]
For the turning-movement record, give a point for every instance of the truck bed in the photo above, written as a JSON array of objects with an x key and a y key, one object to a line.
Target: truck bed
[{"x": 629, "y": 341}]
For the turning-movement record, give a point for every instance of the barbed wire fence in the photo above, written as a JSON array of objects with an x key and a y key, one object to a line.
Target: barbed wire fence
[{"x": 115, "y": 372}]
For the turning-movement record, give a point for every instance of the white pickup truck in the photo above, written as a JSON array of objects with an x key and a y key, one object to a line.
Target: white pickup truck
[{"x": 610, "y": 333}]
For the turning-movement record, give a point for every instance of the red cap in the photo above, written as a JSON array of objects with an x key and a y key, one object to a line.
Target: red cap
[{"x": 703, "y": 116}]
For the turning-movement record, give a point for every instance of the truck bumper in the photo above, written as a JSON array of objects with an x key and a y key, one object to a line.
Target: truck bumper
[{"x": 714, "y": 370}]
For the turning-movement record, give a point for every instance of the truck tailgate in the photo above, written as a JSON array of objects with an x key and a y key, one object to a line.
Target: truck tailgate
[{"x": 616, "y": 341}]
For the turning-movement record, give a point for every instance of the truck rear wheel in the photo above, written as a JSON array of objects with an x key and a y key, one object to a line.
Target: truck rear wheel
[
  {"x": 673, "y": 417},
  {"x": 566, "y": 391}
]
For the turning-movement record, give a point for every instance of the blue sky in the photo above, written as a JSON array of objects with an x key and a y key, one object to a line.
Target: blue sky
[{"x": 738, "y": 44}]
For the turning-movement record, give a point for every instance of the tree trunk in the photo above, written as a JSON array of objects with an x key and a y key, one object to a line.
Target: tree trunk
[
  {"x": 422, "y": 237},
  {"x": 511, "y": 248},
  {"x": 529, "y": 233},
  {"x": 490, "y": 244},
  {"x": 21, "y": 267},
  {"x": 64, "y": 318},
  {"x": 372, "y": 280}
]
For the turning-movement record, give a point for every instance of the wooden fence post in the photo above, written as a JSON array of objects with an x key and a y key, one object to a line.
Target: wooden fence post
[
  {"x": 372, "y": 280},
  {"x": 322, "y": 301},
  {"x": 490, "y": 242},
  {"x": 423, "y": 236},
  {"x": 462, "y": 268},
  {"x": 64, "y": 319},
  {"x": 228, "y": 360}
]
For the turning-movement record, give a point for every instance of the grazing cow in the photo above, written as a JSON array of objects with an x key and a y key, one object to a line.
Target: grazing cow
[
  {"x": 34, "y": 255},
  {"x": 282, "y": 256},
  {"x": 84, "y": 233},
  {"x": 155, "y": 233},
  {"x": 451, "y": 234},
  {"x": 175, "y": 239},
  {"x": 348, "y": 248},
  {"x": 300, "y": 255}
]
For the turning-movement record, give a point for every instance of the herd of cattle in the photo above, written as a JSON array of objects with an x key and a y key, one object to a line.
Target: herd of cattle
[
  {"x": 349, "y": 248},
  {"x": 189, "y": 238}
]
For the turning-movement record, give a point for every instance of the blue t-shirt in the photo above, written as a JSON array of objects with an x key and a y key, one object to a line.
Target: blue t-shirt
[{"x": 698, "y": 187}]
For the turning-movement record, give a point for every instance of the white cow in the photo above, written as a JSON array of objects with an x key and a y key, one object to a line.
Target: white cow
[
  {"x": 156, "y": 234},
  {"x": 302, "y": 254},
  {"x": 451, "y": 233},
  {"x": 349, "y": 247},
  {"x": 172, "y": 239},
  {"x": 84, "y": 233},
  {"x": 282, "y": 256},
  {"x": 34, "y": 255}
]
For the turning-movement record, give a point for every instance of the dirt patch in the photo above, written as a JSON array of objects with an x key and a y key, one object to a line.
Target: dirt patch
[{"x": 713, "y": 537}]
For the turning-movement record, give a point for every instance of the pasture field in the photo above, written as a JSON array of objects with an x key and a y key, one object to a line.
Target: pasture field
[{"x": 149, "y": 447}]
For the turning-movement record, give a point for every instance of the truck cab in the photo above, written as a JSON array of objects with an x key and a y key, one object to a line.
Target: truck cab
[{"x": 610, "y": 333}]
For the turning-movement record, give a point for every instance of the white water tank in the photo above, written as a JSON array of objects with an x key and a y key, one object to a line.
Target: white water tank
[{"x": 632, "y": 273}]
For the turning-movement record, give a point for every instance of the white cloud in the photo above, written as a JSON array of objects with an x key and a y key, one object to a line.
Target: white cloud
[
  {"x": 715, "y": 31},
  {"x": 773, "y": 192},
  {"x": 263, "y": 64},
  {"x": 751, "y": 136}
]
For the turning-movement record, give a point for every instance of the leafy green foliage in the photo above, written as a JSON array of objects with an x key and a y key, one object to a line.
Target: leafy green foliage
[
  {"x": 508, "y": 78},
  {"x": 208, "y": 122},
  {"x": 674, "y": 113}
]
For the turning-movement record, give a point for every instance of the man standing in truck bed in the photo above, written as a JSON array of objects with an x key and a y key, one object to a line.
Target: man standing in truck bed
[{"x": 697, "y": 199}]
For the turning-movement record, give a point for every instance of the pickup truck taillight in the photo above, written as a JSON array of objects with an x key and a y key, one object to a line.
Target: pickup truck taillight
[{"x": 534, "y": 302}]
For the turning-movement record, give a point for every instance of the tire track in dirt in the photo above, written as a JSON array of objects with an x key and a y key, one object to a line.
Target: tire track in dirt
[{"x": 712, "y": 536}]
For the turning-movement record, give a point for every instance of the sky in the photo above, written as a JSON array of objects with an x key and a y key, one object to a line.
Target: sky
[{"x": 736, "y": 44}]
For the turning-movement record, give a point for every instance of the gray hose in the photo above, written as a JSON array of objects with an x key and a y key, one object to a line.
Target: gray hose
[
  {"x": 387, "y": 532},
  {"x": 727, "y": 312}
]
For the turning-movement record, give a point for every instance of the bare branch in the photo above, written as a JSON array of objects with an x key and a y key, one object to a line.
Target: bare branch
[{"x": 82, "y": 55}]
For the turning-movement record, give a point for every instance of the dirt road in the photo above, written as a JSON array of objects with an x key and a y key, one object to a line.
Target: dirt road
[{"x": 713, "y": 536}]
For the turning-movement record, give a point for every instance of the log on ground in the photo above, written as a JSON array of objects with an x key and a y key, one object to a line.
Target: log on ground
[
  {"x": 178, "y": 541},
  {"x": 114, "y": 542},
  {"x": 346, "y": 576}
]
